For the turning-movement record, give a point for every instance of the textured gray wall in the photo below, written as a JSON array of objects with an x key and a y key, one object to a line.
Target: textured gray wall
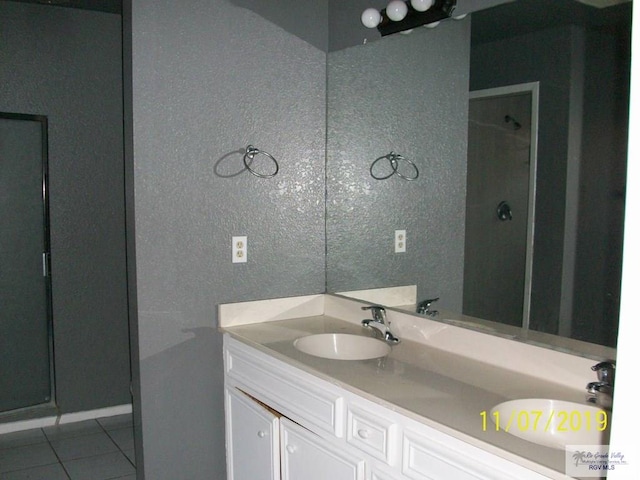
[
  {"x": 208, "y": 79},
  {"x": 409, "y": 94},
  {"x": 603, "y": 178},
  {"x": 66, "y": 64}
]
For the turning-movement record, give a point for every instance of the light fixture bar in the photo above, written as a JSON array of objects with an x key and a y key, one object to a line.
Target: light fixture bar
[{"x": 441, "y": 9}]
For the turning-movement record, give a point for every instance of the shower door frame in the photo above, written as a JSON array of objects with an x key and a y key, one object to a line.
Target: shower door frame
[
  {"x": 532, "y": 88},
  {"x": 46, "y": 254}
]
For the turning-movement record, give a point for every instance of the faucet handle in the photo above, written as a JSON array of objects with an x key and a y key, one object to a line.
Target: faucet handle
[
  {"x": 425, "y": 305},
  {"x": 377, "y": 312},
  {"x": 606, "y": 371},
  {"x": 593, "y": 387}
]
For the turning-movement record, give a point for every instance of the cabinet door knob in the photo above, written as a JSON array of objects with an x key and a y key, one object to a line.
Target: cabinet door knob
[
  {"x": 363, "y": 433},
  {"x": 261, "y": 434},
  {"x": 291, "y": 448}
]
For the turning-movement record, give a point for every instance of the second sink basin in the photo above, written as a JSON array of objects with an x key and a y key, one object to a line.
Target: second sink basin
[
  {"x": 553, "y": 423},
  {"x": 342, "y": 346}
]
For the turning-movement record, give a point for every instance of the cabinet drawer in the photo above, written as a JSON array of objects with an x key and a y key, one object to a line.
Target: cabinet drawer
[
  {"x": 432, "y": 455},
  {"x": 425, "y": 459},
  {"x": 285, "y": 388},
  {"x": 372, "y": 433}
]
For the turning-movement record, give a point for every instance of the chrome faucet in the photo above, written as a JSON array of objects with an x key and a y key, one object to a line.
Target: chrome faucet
[
  {"x": 424, "y": 307},
  {"x": 601, "y": 392},
  {"x": 379, "y": 323}
]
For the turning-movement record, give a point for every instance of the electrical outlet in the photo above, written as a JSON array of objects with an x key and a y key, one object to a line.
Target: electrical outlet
[
  {"x": 239, "y": 249},
  {"x": 401, "y": 241}
]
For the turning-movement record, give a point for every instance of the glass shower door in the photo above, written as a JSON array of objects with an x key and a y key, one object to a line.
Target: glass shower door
[
  {"x": 498, "y": 218},
  {"x": 25, "y": 320}
]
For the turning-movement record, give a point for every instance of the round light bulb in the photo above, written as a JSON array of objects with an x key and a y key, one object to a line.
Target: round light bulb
[
  {"x": 397, "y": 10},
  {"x": 421, "y": 5},
  {"x": 371, "y": 18}
]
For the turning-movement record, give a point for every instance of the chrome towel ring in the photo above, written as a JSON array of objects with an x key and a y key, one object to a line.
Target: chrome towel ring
[
  {"x": 394, "y": 161},
  {"x": 250, "y": 153}
]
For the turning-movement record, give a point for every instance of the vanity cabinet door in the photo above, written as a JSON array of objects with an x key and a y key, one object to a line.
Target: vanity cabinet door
[
  {"x": 253, "y": 439},
  {"x": 377, "y": 473},
  {"x": 306, "y": 456}
]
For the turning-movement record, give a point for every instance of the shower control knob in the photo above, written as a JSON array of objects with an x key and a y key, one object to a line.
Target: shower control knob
[{"x": 504, "y": 211}]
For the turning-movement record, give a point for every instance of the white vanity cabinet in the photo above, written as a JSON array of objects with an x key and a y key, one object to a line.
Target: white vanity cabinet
[{"x": 330, "y": 432}]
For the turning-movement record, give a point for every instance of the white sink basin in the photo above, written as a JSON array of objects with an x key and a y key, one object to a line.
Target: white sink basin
[
  {"x": 342, "y": 346},
  {"x": 553, "y": 423}
]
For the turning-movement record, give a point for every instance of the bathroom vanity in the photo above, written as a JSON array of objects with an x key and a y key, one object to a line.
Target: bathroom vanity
[{"x": 421, "y": 412}]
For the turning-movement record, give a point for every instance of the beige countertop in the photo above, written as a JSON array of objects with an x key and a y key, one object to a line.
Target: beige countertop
[{"x": 433, "y": 386}]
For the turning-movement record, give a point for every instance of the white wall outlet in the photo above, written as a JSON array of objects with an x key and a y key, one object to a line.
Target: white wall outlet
[
  {"x": 239, "y": 249},
  {"x": 400, "y": 241}
]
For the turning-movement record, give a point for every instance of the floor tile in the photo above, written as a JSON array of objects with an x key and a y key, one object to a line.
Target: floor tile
[
  {"x": 117, "y": 421},
  {"x": 123, "y": 437},
  {"x": 48, "y": 472},
  {"x": 91, "y": 450},
  {"x": 100, "y": 467},
  {"x": 25, "y": 437},
  {"x": 26, "y": 457},
  {"x": 67, "y": 430},
  {"x": 84, "y": 446}
]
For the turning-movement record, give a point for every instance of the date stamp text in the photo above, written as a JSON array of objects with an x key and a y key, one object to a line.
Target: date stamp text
[{"x": 552, "y": 421}]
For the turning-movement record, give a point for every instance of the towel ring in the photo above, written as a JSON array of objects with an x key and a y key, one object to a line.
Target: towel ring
[
  {"x": 394, "y": 161},
  {"x": 394, "y": 167},
  {"x": 406, "y": 160},
  {"x": 250, "y": 153}
]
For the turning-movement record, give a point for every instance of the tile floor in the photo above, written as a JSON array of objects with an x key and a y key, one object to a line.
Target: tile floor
[{"x": 91, "y": 450}]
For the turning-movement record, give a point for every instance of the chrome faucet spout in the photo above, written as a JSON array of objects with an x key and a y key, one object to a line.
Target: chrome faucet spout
[
  {"x": 601, "y": 392},
  {"x": 424, "y": 307},
  {"x": 379, "y": 323}
]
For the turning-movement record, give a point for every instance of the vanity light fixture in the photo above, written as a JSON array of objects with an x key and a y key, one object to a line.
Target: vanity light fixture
[
  {"x": 400, "y": 16},
  {"x": 397, "y": 10}
]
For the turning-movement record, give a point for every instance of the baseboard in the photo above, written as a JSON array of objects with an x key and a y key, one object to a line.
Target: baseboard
[{"x": 64, "y": 418}]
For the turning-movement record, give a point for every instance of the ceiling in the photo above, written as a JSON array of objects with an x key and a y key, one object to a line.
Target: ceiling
[{"x": 527, "y": 16}]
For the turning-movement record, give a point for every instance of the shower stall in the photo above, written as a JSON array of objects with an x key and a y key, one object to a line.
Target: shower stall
[
  {"x": 69, "y": 71},
  {"x": 25, "y": 289},
  {"x": 500, "y": 212}
]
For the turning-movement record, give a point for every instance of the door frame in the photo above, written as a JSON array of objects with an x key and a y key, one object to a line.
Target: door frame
[{"x": 532, "y": 88}]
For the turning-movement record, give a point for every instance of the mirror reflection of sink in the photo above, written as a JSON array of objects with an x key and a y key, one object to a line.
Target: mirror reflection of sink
[
  {"x": 553, "y": 423},
  {"x": 342, "y": 346}
]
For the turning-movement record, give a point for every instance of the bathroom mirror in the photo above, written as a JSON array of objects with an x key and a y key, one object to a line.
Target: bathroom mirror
[{"x": 409, "y": 93}]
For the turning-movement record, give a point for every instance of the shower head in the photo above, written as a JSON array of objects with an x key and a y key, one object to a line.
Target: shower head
[{"x": 513, "y": 121}]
